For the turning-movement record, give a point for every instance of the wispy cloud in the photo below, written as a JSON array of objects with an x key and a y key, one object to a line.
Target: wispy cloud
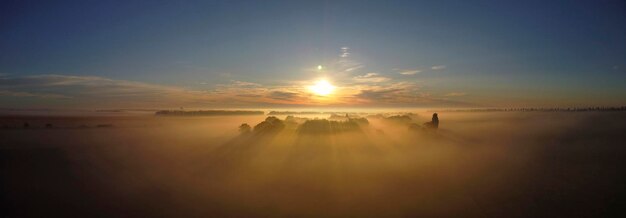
[
  {"x": 371, "y": 78},
  {"x": 380, "y": 94},
  {"x": 456, "y": 94},
  {"x": 346, "y": 65},
  {"x": 403, "y": 94},
  {"x": 353, "y": 68},
  {"x": 96, "y": 91},
  {"x": 438, "y": 67},
  {"x": 28, "y": 94},
  {"x": 93, "y": 91},
  {"x": 344, "y": 52},
  {"x": 249, "y": 95},
  {"x": 244, "y": 84},
  {"x": 282, "y": 95},
  {"x": 409, "y": 71}
]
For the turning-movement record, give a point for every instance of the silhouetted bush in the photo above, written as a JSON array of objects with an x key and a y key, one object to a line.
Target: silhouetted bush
[
  {"x": 426, "y": 127},
  {"x": 270, "y": 125},
  {"x": 336, "y": 117},
  {"x": 376, "y": 116},
  {"x": 360, "y": 121},
  {"x": 349, "y": 117},
  {"x": 434, "y": 123},
  {"x": 245, "y": 128},
  {"x": 399, "y": 119},
  {"x": 295, "y": 120},
  {"x": 324, "y": 126},
  {"x": 307, "y": 126}
]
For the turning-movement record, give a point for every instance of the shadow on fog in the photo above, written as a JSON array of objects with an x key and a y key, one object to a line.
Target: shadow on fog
[
  {"x": 321, "y": 163},
  {"x": 383, "y": 164},
  {"x": 241, "y": 149},
  {"x": 311, "y": 137},
  {"x": 471, "y": 165},
  {"x": 316, "y": 149},
  {"x": 323, "y": 137}
]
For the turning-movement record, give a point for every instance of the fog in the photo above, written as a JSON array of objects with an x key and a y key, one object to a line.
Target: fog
[{"x": 494, "y": 164}]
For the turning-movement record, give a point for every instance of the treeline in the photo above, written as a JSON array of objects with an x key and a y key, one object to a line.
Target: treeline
[
  {"x": 273, "y": 125},
  {"x": 299, "y": 113},
  {"x": 529, "y": 109},
  {"x": 206, "y": 113}
]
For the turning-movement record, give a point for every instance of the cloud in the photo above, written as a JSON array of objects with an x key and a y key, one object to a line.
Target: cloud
[
  {"x": 403, "y": 94},
  {"x": 377, "y": 95},
  {"x": 353, "y": 68},
  {"x": 438, "y": 67},
  {"x": 345, "y": 65},
  {"x": 95, "y": 91},
  {"x": 249, "y": 95},
  {"x": 99, "y": 92},
  {"x": 410, "y": 72},
  {"x": 281, "y": 95},
  {"x": 456, "y": 94},
  {"x": 254, "y": 94},
  {"x": 342, "y": 66},
  {"x": 371, "y": 78},
  {"x": 392, "y": 93},
  {"x": 244, "y": 84},
  {"x": 28, "y": 94},
  {"x": 344, "y": 52}
]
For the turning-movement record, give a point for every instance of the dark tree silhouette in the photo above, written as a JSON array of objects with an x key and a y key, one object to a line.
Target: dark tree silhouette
[
  {"x": 270, "y": 125},
  {"x": 324, "y": 126},
  {"x": 434, "y": 123},
  {"x": 245, "y": 128},
  {"x": 399, "y": 119}
]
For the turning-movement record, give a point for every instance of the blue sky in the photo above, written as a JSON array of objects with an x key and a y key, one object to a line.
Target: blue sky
[{"x": 264, "y": 53}]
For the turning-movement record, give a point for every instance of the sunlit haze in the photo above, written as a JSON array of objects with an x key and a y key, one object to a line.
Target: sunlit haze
[
  {"x": 283, "y": 108},
  {"x": 322, "y": 87}
]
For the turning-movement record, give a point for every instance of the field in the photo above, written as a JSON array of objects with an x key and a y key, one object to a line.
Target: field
[{"x": 477, "y": 164}]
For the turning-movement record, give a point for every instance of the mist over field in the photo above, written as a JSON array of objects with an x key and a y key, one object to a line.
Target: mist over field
[
  {"x": 282, "y": 108},
  {"x": 476, "y": 164}
]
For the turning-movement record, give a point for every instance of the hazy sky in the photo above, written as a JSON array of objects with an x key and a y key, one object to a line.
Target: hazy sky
[{"x": 112, "y": 54}]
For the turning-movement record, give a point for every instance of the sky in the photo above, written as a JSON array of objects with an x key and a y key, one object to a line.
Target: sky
[{"x": 262, "y": 54}]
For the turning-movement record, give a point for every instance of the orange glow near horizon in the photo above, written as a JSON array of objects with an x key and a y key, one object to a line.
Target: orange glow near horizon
[{"x": 322, "y": 88}]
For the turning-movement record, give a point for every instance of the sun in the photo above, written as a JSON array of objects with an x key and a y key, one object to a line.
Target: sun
[{"x": 322, "y": 87}]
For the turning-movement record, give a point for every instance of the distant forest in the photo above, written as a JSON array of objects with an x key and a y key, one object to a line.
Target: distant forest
[
  {"x": 569, "y": 109},
  {"x": 207, "y": 113},
  {"x": 301, "y": 113}
]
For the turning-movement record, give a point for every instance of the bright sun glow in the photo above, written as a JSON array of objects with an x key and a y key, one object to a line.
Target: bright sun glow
[{"x": 322, "y": 87}]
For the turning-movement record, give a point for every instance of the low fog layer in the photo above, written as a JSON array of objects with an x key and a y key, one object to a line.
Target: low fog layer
[{"x": 500, "y": 164}]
